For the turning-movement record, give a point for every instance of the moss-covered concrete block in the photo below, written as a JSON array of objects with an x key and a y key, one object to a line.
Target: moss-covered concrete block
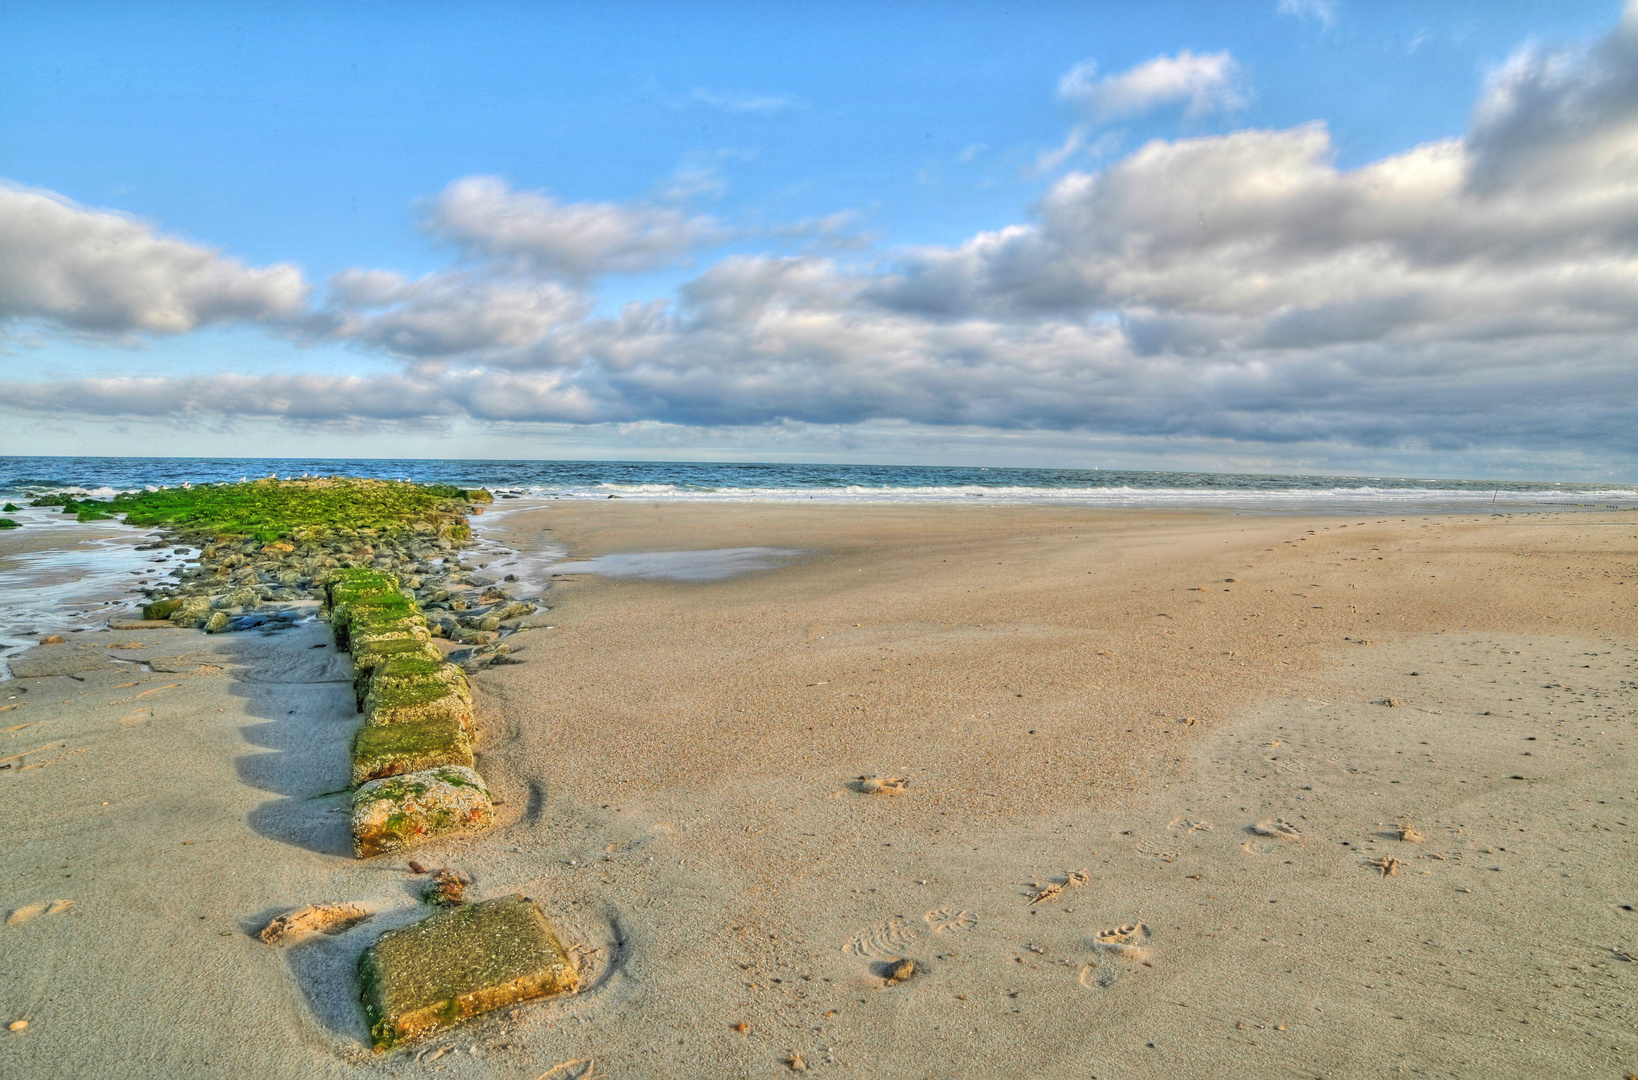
[
  {"x": 401, "y": 811},
  {"x": 428, "y": 976},
  {"x": 401, "y": 704},
  {"x": 409, "y": 747},
  {"x": 366, "y": 657}
]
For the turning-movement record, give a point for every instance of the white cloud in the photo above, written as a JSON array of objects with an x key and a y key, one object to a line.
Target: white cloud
[
  {"x": 1206, "y": 82},
  {"x": 1323, "y": 11},
  {"x": 447, "y": 314},
  {"x": 746, "y": 104},
  {"x": 488, "y": 218},
  {"x": 99, "y": 272}
]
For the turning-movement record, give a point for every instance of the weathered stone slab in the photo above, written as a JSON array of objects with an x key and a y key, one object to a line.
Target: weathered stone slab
[
  {"x": 413, "y": 746},
  {"x": 366, "y": 657},
  {"x": 431, "y": 975},
  {"x": 399, "y": 812},
  {"x": 401, "y": 704}
]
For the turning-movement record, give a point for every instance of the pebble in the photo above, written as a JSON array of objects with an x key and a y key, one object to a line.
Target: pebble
[{"x": 17, "y": 1025}]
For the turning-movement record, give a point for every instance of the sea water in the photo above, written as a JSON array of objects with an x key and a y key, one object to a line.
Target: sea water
[{"x": 752, "y": 482}]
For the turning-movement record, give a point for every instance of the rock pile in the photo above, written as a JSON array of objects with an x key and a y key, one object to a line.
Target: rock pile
[{"x": 412, "y": 759}]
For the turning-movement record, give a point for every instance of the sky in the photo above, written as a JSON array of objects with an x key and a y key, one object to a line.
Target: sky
[{"x": 1271, "y": 235}]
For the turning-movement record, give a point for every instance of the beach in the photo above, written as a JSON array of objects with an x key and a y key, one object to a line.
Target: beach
[{"x": 1139, "y": 792}]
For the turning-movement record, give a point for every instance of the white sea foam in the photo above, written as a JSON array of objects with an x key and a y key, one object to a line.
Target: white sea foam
[{"x": 1271, "y": 497}]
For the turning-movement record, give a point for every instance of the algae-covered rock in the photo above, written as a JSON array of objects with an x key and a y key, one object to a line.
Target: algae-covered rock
[
  {"x": 160, "y": 609},
  {"x": 430, "y": 975},
  {"x": 217, "y": 622},
  {"x": 401, "y": 811},
  {"x": 366, "y": 657},
  {"x": 7, "y": 523},
  {"x": 409, "y": 747},
  {"x": 192, "y": 611}
]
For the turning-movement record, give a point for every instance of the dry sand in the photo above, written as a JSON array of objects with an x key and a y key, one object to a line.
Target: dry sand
[{"x": 1062, "y": 691}]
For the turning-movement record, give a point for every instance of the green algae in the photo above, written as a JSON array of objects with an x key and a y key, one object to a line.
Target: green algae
[
  {"x": 10, "y": 508},
  {"x": 7, "y": 523},
  {"x": 160, "y": 609},
  {"x": 268, "y": 510},
  {"x": 412, "y": 746}
]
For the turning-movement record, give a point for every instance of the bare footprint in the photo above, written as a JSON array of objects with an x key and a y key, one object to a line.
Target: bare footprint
[
  {"x": 1129, "y": 941},
  {"x": 943, "y": 920},
  {"x": 1186, "y": 825},
  {"x": 1278, "y": 828}
]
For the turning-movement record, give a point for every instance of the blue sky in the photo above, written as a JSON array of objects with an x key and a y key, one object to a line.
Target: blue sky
[{"x": 838, "y": 165}]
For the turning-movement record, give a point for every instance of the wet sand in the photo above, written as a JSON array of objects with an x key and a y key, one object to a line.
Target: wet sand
[{"x": 1062, "y": 690}]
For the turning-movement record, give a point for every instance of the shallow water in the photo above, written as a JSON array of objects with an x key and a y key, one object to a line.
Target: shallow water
[
  {"x": 79, "y": 586},
  {"x": 716, "y": 564}
]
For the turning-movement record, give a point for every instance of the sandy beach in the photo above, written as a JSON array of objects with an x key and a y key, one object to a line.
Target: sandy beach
[{"x": 1183, "y": 794}]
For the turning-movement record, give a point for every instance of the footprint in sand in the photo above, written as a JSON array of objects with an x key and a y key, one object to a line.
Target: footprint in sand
[
  {"x": 1276, "y": 828},
  {"x": 888, "y": 939},
  {"x": 943, "y": 920},
  {"x": 1130, "y": 941}
]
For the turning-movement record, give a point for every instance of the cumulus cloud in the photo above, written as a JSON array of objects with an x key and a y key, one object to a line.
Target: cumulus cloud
[
  {"x": 447, "y": 314},
  {"x": 1203, "y": 82},
  {"x": 1550, "y": 117},
  {"x": 487, "y": 217},
  {"x": 99, "y": 272}
]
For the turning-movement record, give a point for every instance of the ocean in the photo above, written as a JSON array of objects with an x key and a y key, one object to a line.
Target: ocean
[{"x": 707, "y": 482}]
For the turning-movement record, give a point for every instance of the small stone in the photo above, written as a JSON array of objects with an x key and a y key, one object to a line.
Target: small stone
[
  {"x": 17, "y": 1025},
  {"x": 52, "y": 639},
  {"x": 401, "y": 811},
  {"x": 900, "y": 970},
  {"x": 430, "y": 975},
  {"x": 217, "y": 622}
]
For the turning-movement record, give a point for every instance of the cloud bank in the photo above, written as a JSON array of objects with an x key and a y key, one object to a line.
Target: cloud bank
[{"x": 1471, "y": 292}]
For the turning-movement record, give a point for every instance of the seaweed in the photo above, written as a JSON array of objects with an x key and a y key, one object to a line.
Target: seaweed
[
  {"x": 7, "y": 523},
  {"x": 269, "y": 510}
]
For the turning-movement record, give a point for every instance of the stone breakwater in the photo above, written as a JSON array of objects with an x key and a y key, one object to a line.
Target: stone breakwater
[
  {"x": 412, "y": 759},
  {"x": 236, "y": 576}
]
